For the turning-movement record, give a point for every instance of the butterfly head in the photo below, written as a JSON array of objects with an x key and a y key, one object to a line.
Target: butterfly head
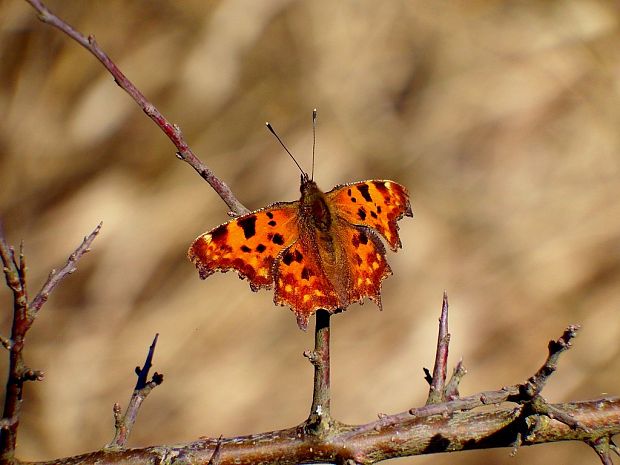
[
  {"x": 305, "y": 179},
  {"x": 307, "y": 186}
]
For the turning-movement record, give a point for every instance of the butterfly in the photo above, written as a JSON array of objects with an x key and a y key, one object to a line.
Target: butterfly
[{"x": 320, "y": 252}]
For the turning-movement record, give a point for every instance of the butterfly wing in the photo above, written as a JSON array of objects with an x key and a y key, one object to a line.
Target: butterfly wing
[
  {"x": 375, "y": 204},
  {"x": 366, "y": 259},
  {"x": 306, "y": 282},
  {"x": 248, "y": 244},
  {"x": 301, "y": 282}
]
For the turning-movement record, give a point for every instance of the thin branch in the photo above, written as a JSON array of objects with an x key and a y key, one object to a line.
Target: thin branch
[
  {"x": 143, "y": 373},
  {"x": 602, "y": 447},
  {"x": 6, "y": 342},
  {"x": 452, "y": 388},
  {"x": 436, "y": 392},
  {"x": 123, "y": 424},
  {"x": 56, "y": 276},
  {"x": 320, "y": 419},
  {"x": 539, "y": 405},
  {"x": 12, "y": 274},
  {"x": 21, "y": 269},
  {"x": 15, "y": 275},
  {"x": 536, "y": 383},
  {"x": 172, "y": 131},
  {"x": 217, "y": 453}
]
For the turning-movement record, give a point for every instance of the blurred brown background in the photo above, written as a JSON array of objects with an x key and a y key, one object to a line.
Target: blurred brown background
[{"x": 502, "y": 118}]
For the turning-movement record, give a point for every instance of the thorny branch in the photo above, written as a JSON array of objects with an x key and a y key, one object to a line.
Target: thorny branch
[{"x": 172, "y": 131}]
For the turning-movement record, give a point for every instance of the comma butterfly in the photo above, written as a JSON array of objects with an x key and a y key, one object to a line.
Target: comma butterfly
[{"x": 320, "y": 252}]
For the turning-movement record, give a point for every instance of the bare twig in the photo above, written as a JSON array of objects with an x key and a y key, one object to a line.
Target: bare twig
[
  {"x": 602, "y": 447},
  {"x": 184, "y": 152},
  {"x": 143, "y": 373},
  {"x": 24, "y": 315},
  {"x": 452, "y": 388},
  {"x": 536, "y": 383},
  {"x": 436, "y": 392},
  {"x": 539, "y": 405},
  {"x": 56, "y": 276},
  {"x": 6, "y": 343},
  {"x": 320, "y": 419},
  {"x": 14, "y": 273},
  {"x": 529, "y": 392},
  {"x": 217, "y": 453},
  {"x": 123, "y": 424}
]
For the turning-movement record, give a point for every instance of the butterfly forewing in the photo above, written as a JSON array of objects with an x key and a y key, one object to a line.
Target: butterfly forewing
[
  {"x": 248, "y": 244},
  {"x": 377, "y": 204}
]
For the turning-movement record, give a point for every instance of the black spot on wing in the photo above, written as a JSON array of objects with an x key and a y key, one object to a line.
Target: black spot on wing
[
  {"x": 381, "y": 187},
  {"x": 220, "y": 232},
  {"x": 245, "y": 248},
  {"x": 363, "y": 188},
  {"x": 269, "y": 215},
  {"x": 272, "y": 223},
  {"x": 306, "y": 273},
  {"x": 249, "y": 226},
  {"x": 287, "y": 258},
  {"x": 363, "y": 238},
  {"x": 361, "y": 213},
  {"x": 260, "y": 248},
  {"x": 277, "y": 239}
]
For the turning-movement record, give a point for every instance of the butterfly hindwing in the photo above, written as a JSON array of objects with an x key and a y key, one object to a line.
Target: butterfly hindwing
[
  {"x": 248, "y": 244},
  {"x": 366, "y": 256},
  {"x": 376, "y": 204},
  {"x": 301, "y": 283}
]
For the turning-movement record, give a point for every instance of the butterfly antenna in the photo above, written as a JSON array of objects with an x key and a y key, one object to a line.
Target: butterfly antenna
[
  {"x": 270, "y": 127},
  {"x": 313, "y": 140}
]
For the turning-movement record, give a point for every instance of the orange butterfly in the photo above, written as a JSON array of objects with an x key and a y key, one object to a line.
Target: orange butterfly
[{"x": 320, "y": 252}]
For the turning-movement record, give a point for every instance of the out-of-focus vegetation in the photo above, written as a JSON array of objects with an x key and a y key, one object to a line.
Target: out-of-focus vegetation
[{"x": 502, "y": 118}]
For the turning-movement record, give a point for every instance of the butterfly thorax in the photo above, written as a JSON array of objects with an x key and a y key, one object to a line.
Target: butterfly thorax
[
  {"x": 317, "y": 221},
  {"x": 313, "y": 207}
]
